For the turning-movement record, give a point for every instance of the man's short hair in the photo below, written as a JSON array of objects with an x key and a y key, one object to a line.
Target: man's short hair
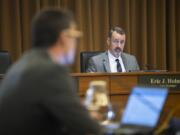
[
  {"x": 48, "y": 24},
  {"x": 116, "y": 29}
]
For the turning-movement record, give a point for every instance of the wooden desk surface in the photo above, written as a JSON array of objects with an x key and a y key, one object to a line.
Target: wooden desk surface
[{"x": 117, "y": 83}]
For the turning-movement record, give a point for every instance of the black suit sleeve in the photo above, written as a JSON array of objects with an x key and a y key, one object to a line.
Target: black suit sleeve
[{"x": 61, "y": 101}]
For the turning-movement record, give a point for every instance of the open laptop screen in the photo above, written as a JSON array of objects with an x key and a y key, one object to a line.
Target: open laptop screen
[{"x": 144, "y": 106}]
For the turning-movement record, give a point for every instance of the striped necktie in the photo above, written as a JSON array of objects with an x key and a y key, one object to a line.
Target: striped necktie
[{"x": 119, "y": 69}]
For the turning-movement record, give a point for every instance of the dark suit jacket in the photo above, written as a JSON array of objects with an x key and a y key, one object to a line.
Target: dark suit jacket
[
  {"x": 37, "y": 97},
  {"x": 100, "y": 63}
]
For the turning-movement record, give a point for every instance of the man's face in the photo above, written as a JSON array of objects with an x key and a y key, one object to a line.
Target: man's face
[
  {"x": 70, "y": 41},
  {"x": 116, "y": 43}
]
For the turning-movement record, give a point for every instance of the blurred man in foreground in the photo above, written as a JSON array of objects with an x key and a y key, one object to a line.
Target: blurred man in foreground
[
  {"x": 114, "y": 60},
  {"x": 37, "y": 96}
]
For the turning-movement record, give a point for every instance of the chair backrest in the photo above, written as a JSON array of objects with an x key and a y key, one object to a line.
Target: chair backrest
[
  {"x": 5, "y": 61},
  {"x": 84, "y": 58}
]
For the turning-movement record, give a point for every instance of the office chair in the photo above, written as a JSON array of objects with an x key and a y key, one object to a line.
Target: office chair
[
  {"x": 84, "y": 59},
  {"x": 5, "y": 61}
]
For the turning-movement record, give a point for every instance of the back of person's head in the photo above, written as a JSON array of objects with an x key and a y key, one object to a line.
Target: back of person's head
[
  {"x": 116, "y": 29},
  {"x": 48, "y": 24}
]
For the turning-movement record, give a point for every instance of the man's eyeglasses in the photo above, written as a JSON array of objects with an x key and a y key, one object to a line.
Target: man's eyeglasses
[{"x": 74, "y": 33}]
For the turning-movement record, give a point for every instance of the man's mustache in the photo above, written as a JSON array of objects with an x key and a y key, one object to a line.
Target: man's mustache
[{"x": 117, "y": 49}]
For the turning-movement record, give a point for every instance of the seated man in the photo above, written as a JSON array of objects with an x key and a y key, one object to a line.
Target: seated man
[{"x": 114, "y": 60}]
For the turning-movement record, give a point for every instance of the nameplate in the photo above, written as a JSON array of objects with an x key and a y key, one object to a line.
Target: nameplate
[{"x": 169, "y": 81}]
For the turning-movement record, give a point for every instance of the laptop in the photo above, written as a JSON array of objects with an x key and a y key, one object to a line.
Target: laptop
[{"x": 142, "y": 111}]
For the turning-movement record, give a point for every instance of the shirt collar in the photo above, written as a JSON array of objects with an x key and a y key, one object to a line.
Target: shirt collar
[{"x": 112, "y": 57}]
